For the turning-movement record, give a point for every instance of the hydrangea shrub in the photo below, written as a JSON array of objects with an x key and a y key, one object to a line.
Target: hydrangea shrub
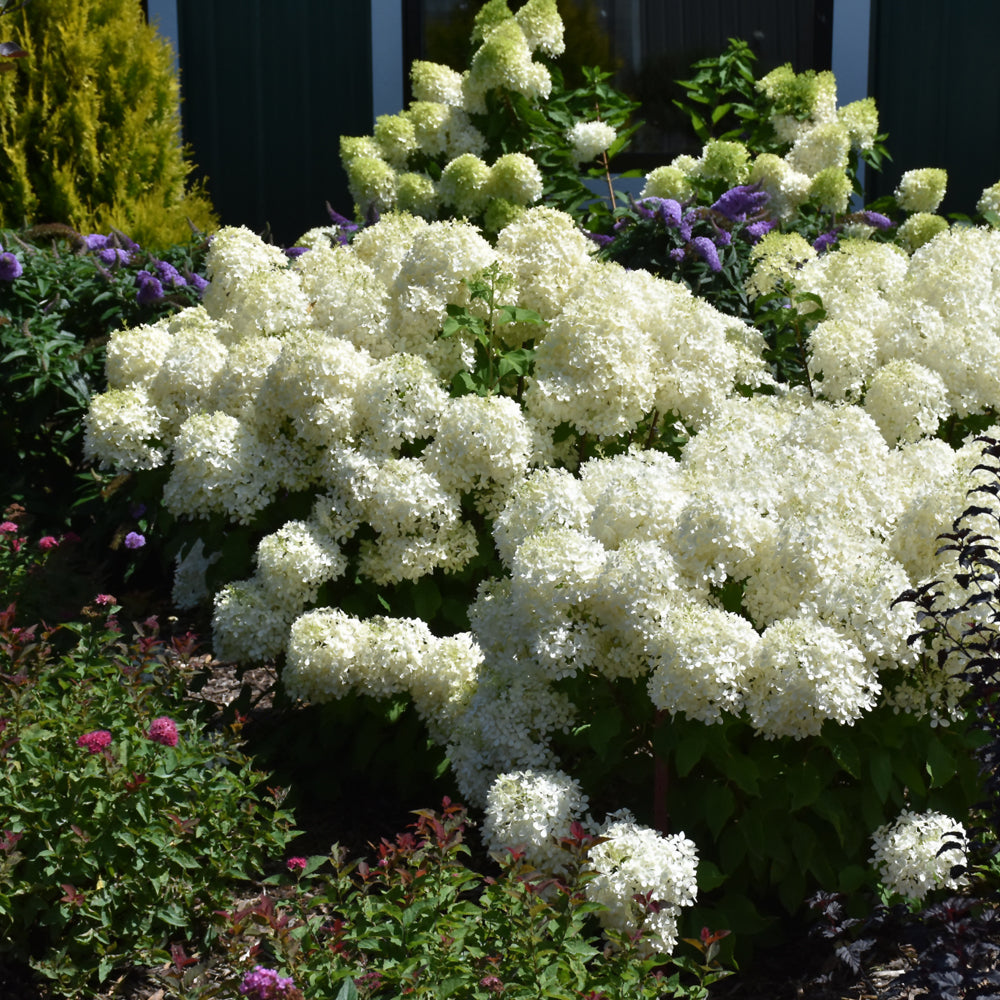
[{"x": 586, "y": 522}]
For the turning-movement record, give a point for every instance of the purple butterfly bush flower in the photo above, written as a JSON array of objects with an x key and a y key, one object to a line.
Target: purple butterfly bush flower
[
  {"x": 133, "y": 540},
  {"x": 10, "y": 266},
  {"x": 666, "y": 209},
  {"x": 875, "y": 219},
  {"x": 169, "y": 275},
  {"x": 600, "y": 238},
  {"x": 739, "y": 203},
  {"x": 756, "y": 230},
  {"x": 293, "y": 252},
  {"x": 824, "y": 241},
  {"x": 197, "y": 282},
  {"x": 677, "y": 255},
  {"x": 110, "y": 256},
  {"x": 150, "y": 289},
  {"x": 708, "y": 252}
]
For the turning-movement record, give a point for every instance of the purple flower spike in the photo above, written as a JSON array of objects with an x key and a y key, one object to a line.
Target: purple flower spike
[
  {"x": 169, "y": 275},
  {"x": 95, "y": 241},
  {"x": 826, "y": 240},
  {"x": 340, "y": 221},
  {"x": 706, "y": 248},
  {"x": 677, "y": 255},
  {"x": 293, "y": 252},
  {"x": 150, "y": 289},
  {"x": 113, "y": 255},
  {"x": 876, "y": 219},
  {"x": 758, "y": 229},
  {"x": 740, "y": 202},
  {"x": 10, "y": 267},
  {"x": 198, "y": 283},
  {"x": 600, "y": 239}
]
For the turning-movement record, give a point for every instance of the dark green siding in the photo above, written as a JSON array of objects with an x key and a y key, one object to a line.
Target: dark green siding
[
  {"x": 936, "y": 79},
  {"x": 268, "y": 89}
]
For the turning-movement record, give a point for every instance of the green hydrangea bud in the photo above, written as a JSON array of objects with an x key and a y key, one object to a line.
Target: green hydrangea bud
[
  {"x": 667, "y": 182},
  {"x": 726, "y": 161},
  {"x": 415, "y": 193},
  {"x": 920, "y": 228},
  {"x": 830, "y": 189},
  {"x": 463, "y": 185},
  {"x": 921, "y": 190}
]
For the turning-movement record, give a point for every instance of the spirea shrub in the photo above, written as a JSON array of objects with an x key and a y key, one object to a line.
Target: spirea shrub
[
  {"x": 124, "y": 821},
  {"x": 590, "y": 523}
]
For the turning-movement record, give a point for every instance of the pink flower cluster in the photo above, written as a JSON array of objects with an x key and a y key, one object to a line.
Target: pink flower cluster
[
  {"x": 266, "y": 984},
  {"x": 95, "y": 742},
  {"x": 163, "y": 730},
  {"x": 296, "y": 864}
]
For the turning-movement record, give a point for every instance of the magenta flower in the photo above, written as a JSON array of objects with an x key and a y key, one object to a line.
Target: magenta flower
[
  {"x": 163, "y": 730},
  {"x": 103, "y": 599},
  {"x": 48, "y": 542},
  {"x": 8, "y": 527},
  {"x": 133, "y": 540},
  {"x": 95, "y": 742},
  {"x": 265, "y": 984},
  {"x": 296, "y": 864}
]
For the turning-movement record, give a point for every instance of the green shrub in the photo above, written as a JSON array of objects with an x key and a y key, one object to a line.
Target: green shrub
[
  {"x": 89, "y": 125},
  {"x": 123, "y": 824}
]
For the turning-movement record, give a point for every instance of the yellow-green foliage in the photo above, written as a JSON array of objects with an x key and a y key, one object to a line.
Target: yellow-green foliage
[{"x": 90, "y": 125}]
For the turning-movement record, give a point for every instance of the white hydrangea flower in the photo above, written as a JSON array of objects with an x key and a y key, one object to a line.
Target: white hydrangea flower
[
  {"x": 123, "y": 430},
  {"x": 542, "y": 26},
  {"x": 219, "y": 467},
  {"x": 907, "y": 400},
  {"x": 820, "y": 147},
  {"x": 699, "y": 656},
  {"x": 384, "y": 247},
  {"x": 293, "y": 561},
  {"x": 668, "y": 181},
  {"x": 133, "y": 357},
  {"x": 546, "y": 498},
  {"x": 481, "y": 445},
  {"x": 806, "y": 673},
  {"x": 592, "y": 370},
  {"x": 842, "y": 356},
  {"x": 905, "y": 853},
  {"x": 588, "y": 139},
  {"x": 516, "y": 178},
  {"x": 921, "y": 190},
  {"x": 396, "y": 138},
  {"x": 786, "y": 188},
  {"x": 247, "y": 626},
  {"x": 504, "y": 62},
  {"x": 464, "y": 185},
  {"x": 436, "y": 83},
  {"x": 398, "y": 399},
  {"x": 989, "y": 200},
  {"x": 529, "y": 811},
  {"x": 346, "y": 298},
  {"x": 637, "y": 861}
]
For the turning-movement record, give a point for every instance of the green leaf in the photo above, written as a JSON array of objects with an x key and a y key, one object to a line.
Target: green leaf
[
  {"x": 347, "y": 991},
  {"x": 940, "y": 764},
  {"x": 880, "y": 769},
  {"x": 719, "y": 804}
]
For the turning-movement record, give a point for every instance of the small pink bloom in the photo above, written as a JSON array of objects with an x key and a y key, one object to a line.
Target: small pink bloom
[
  {"x": 163, "y": 730},
  {"x": 48, "y": 542},
  {"x": 103, "y": 599},
  {"x": 8, "y": 527},
  {"x": 296, "y": 864},
  {"x": 95, "y": 742},
  {"x": 493, "y": 983}
]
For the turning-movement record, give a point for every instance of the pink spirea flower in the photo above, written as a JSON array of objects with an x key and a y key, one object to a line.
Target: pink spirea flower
[
  {"x": 163, "y": 730},
  {"x": 104, "y": 599},
  {"x": 95, "y": 742},
  {"x": 265, "y": 984},
  {"x": 8, "y": 527},
  {"x": 296, "y": 864},
  {"x": 48, "y": 542}
]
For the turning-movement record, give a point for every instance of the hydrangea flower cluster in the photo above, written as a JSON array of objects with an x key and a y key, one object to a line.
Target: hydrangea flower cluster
[
  {"x": 817, "y": 138},
  {"x": 530, "y": 811},
  {"x": 383, "y": 170},
  {"x": 908, "y": 857}
]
